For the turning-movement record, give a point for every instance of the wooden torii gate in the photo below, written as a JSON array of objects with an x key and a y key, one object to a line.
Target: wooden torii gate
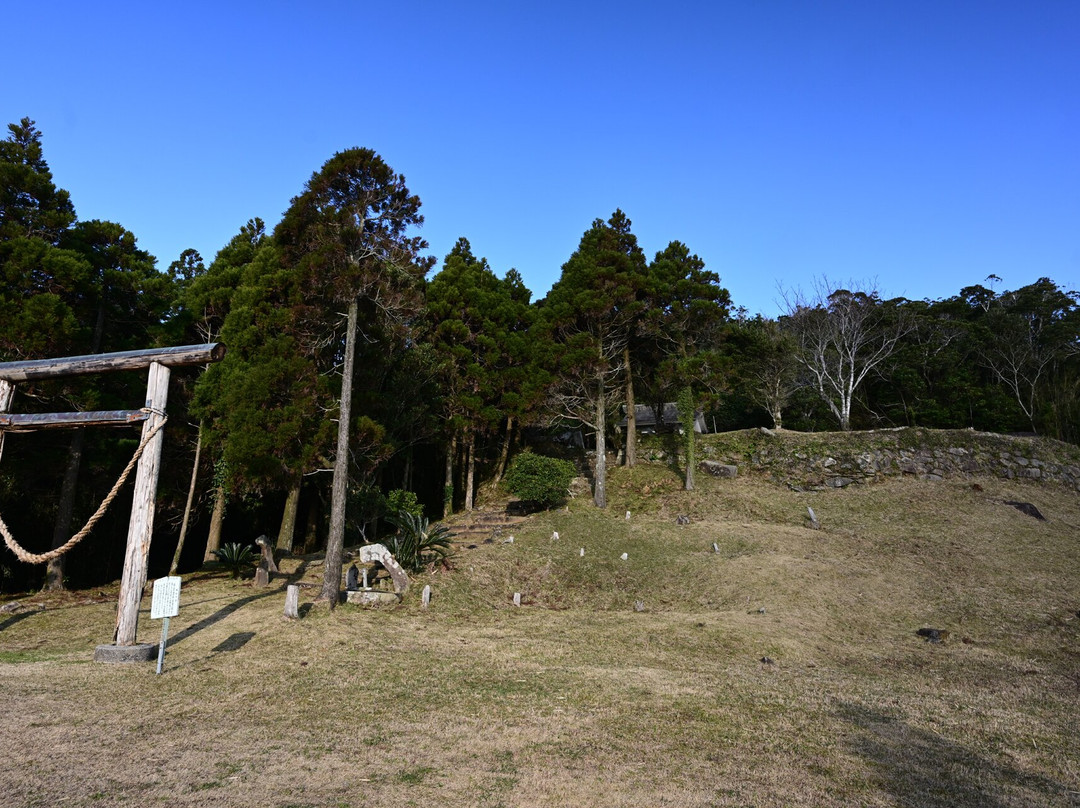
[{"x": 152, "y": 415}]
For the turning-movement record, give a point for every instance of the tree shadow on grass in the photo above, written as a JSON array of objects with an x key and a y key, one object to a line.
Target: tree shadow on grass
[
  {"x": 218, "y": 616},
  {"x": 17, "y": 618},
  {"x": 235, "y": 606},
  {"x": 923, "y": 769},
  {"x": 234, "y": 642}
]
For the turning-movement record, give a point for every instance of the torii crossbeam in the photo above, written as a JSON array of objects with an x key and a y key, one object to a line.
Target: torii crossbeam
[{"x": 140, "y": 526}]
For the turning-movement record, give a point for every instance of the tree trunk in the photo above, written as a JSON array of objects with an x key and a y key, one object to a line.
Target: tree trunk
[
  {"x": 311, "y": 529},
  {"x": 448, "y": 481},
  {"x": 845, "y": 416},
  {"x": 500, "y": 470},
  {"x": 187, "y": 505},
  {"x": 688, "y": 483},
  {"x": 470, "y": 476},
  {"x": 600, "y": 482},
  {"x": 687, "y": 419},
  {"x": 335, "y": 542},
  {"x": 407, "y": 476},
  {"x": 217, "y": 518},
  {"x": 288, "y": 519},
  {"x": 54, "y": 571},
  {"x": 631, "y": 415}
]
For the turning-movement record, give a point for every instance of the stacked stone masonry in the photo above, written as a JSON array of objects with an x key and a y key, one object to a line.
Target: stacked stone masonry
[{"x": 836, "y": 460}]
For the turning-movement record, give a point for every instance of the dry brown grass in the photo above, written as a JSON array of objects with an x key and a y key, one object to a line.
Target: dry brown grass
[{"x": 578, "y": 699}]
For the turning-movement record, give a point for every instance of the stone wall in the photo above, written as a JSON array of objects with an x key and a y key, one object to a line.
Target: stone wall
[{"x": 838, "y": 459}]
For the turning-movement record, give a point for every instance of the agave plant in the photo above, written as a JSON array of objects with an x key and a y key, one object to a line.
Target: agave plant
[
  {"x": 417, "y": 543},
  {"x": 236, "y": 557}
]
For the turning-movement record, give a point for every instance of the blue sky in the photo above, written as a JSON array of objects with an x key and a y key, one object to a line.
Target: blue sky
[{"x": 914, "y": 146}]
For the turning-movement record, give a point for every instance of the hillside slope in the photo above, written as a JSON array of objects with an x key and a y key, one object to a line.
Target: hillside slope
[{"x": 780, "y": 668}]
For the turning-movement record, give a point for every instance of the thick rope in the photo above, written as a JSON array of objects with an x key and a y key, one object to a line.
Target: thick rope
[{"x": 41, "y": 558}]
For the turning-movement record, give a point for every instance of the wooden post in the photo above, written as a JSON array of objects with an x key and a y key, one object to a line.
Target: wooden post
[
  {"x": 7, "y": 393},
  {"x": 292, "y": 601},
  {"x": 141, "y": 524}
]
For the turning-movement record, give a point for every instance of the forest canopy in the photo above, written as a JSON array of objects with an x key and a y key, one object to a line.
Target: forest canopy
[{"x": 358, "y": 370}]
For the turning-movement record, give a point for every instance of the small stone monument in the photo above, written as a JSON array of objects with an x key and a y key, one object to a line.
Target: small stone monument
[
  {"x": 266, "y": 562},
  {"x": 368, "y": 554},
  {"x": 624, "y": 556},
  {"x": 352, "y": 579},
  {"x": 425, "y": 596},
  {"x": 517, "y": 598}
]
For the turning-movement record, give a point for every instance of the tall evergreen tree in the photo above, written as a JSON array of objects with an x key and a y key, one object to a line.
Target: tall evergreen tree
[
  {"x": 263, "y": 404},
  {"x": 590, "y": 314},
  {"x": 121, "y": 309},
  {"x": 31, "y": 206},
  {"x": 69, "y": 288},
  {"x": 686, "y": 311},
  {"x": 477, "y": 321},
  {"x": 347, "y": 237}
]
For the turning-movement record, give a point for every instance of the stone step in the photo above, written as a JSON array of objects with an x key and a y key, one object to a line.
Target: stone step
[{"x": 483, "y": 525}]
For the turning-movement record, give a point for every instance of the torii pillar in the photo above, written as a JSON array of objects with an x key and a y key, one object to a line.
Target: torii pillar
[{"x": 141, "y": 523}]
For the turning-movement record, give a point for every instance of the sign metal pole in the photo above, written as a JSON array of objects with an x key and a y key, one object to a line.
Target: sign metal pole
[
  {"x": 165, "y": 604},
  {"x": 161, "y": 648}
]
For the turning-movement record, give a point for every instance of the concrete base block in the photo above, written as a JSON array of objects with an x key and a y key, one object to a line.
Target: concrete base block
[
  {"x": 140, "y": 652},
  {"x": 372, "y": 597}
]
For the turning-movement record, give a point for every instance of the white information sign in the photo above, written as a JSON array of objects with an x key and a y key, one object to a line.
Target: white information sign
[{"x": 166, "y": 602}]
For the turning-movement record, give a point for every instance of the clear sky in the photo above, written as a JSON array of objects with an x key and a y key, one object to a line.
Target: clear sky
[{"x": 915, "y": 145}]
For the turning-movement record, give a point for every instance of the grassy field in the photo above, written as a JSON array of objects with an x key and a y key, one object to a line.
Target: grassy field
[{"x": 783, "y": 670}]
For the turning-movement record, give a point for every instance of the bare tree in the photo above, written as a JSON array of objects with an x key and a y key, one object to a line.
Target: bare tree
[
  {"x": 773, "y": 372},
  {"x": 843, "y": 336},
  {"x": 1030, "y": 330}
]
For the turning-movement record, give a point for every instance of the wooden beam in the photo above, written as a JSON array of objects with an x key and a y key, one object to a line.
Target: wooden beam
[
  {"x": 28, "y": 422},
  {"x": 122, "y": 360}
]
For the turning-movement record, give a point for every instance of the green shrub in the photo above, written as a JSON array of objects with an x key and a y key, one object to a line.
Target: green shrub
[
  {"x": 401, "y": 500},
  {"x": 540, "y": 479},
  {"x": 236, "y": 557},
  {"x": 417, "y": 543}
]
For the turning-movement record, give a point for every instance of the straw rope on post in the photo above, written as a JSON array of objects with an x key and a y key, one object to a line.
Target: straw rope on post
[
  {"x": 148, "y": 456},
  {"x": 41, "y": 558}
]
